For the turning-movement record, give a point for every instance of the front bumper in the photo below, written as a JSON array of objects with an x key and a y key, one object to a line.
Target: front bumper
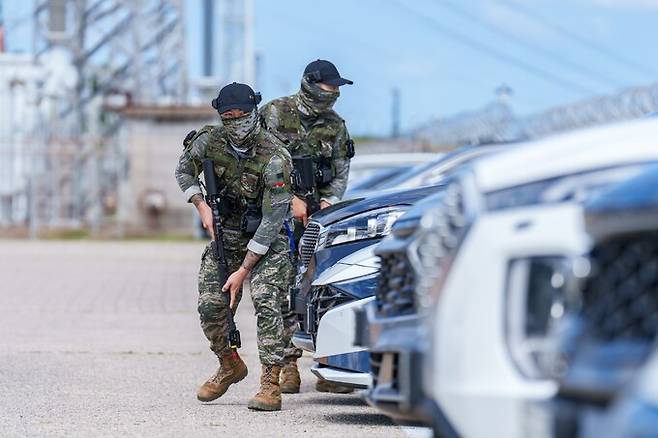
[
  {"x": 334, "y": 276},
  {"x": 396, "y": 358},
  {"x": 335, "y": 350},
  {"x": 343, "y": 377},
  {"x": 335, "y": 335}
]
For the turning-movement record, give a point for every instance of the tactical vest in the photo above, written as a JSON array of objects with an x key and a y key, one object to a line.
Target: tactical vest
[
  {"x": 239, "y": 178},
  {"x": 316, "y": 141}
]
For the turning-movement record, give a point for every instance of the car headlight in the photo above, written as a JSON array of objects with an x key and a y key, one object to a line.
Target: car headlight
[
  {"x": 538, "y": 289},
  {"x": 368, "y": 225},
  {"x": 568, "y": 188}
]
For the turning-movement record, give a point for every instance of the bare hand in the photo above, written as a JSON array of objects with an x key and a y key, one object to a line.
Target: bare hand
[
  {"x": 299, "y": 211},
  {"x": 324, "y": 204},
  {"x": 206, "y": 218},
  {"x": 234, "y": 283}
]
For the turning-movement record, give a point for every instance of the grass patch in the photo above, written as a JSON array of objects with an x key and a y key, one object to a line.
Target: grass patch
[{"x": 72, "y": 234}]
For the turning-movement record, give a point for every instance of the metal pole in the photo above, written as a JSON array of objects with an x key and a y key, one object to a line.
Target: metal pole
[
  {"x": 208, "y": 17},
  {"x": 395, "y": 114},
  {"x": 248, "y": 49},
  {"x": 2, "y": 30}
]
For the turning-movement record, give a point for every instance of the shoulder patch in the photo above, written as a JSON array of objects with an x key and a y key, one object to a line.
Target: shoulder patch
[
  {"x": 276, "y": 162},
  {"x": 277, "y": 176}
]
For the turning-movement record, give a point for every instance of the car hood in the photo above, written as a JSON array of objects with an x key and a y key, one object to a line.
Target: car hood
[
  {"x": 600, "y": 147},
  {"x": 349, "y": 208}
]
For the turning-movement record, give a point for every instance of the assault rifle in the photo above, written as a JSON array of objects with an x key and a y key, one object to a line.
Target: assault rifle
[{"x": 213, "y": 200}]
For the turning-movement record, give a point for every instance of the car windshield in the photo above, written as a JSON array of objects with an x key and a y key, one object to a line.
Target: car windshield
[
  {"x": 366, "y": 165},
  {"x": 376, "y": 179},
  {"x": 406, "y": 179},
  {"x": 433, "y": 172}
]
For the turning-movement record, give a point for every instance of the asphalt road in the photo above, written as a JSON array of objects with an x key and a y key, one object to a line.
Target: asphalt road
[{"x": 102, "y": 339}]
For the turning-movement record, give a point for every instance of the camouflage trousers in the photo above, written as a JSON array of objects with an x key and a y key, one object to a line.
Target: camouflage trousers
[
  {"x": 268, "y": 286},
  {"x": 290, "y": 321}
]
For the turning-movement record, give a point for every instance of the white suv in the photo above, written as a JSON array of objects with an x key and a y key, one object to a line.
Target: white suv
[{"x": 498, "y": 287}]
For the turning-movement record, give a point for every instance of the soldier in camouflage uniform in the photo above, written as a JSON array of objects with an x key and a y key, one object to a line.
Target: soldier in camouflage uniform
[
  {"x": 309, "y": 127},
  {"x": 253, "y": 175}
]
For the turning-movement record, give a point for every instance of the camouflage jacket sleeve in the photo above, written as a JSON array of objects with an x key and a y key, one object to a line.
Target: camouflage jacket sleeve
[
  {"x": 333, "y": 192},
  {"x": 190, "y": 166},
  {"x": 276, "y": 202}
]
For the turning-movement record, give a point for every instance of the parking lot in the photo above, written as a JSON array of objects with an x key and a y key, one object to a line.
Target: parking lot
[{"x": 102, "y": 339}]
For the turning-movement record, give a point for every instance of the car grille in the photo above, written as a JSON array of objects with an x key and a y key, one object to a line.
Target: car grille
[
  {"x": 620, "y": 298},
  {"x": 399, "y": 291},
  {"x": 324, "y": 299},
  {"x": 395, "y": 294},
  {"x": 449, "y": 222},
  {"x": 309, "y": 242},
  {"x": 615, "y": 321}
]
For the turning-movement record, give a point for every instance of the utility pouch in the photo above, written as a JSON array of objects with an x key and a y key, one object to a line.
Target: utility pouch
[
  {"x": 296, "y": 181},
  {"x": 234, "y": 340},
  {"x": 227, "y": 204},
  {"x": 324, "y": 173},
  {"x": 250, "y": 220},
  {"x": 349, "y": 145},
  {"x": 292, "y": 297}
]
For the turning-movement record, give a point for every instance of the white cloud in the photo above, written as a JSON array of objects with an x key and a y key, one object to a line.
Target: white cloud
[
  {"x": 516, "y": 22},
  {"x": 624, "y": 4}
]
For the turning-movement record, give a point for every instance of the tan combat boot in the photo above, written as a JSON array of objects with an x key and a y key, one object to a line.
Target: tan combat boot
[
  {"x": 290, "y": 379},
  {"x": 269, "y": 396},
  {"x": 326, "y": 386},
  {"x": 231, "y": 370}
]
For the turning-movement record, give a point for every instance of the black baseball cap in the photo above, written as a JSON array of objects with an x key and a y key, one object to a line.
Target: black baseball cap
[
  {"x": 324, "y": 71},
  {"x": 236, "y": 96}
]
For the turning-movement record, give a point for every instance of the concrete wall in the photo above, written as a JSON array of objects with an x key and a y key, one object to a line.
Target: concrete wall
[{"x": 152, "y": 147}]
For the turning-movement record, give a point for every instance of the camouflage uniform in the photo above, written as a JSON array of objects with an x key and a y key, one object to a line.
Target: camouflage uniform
[
  {"x": 258, "y": 178},
  {"x": 316, "y": 132},
  {"x": 322, "y": 136}
]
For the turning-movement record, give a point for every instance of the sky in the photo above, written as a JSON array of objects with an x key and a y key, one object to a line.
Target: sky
[{"x": 445, "y": 56}]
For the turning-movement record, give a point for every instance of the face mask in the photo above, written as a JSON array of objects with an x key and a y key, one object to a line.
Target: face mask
[
  {"x": 239, "y": 129},
  {"x": 314, "y": 100}
]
